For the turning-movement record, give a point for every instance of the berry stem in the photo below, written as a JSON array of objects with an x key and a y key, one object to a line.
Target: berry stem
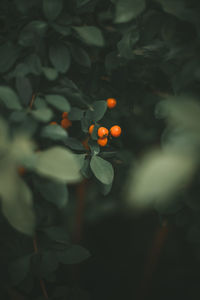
[
  {"x": 153, "y": 259},
  {"x": 42, "y": 284},
  {"x": 32, "y": 101}
]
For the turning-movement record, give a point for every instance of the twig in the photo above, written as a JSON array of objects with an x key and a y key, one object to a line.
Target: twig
[
  {"x": 153, "y": 258},
  {"x": 32, "y": 101},
  {"x": 42, "y": 284}
]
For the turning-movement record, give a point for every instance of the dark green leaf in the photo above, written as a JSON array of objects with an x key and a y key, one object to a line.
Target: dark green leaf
[
  {"x": 54, "y": 192},
  {"x": 58, "y": 102},
  {"x": 94, "y": 147},
  {"x": 102, "y": 169},
  {"x": 54, "y": 132},
  {"x": 57, "y": 234},
  {"x": 90, "y": 35},
  {"x": 24, "y": 90},
  {"x": 126, "y": 10},
  {"x": 73, "y": 255},
  {"x": 19, "y": 269},
  {"x": 9, "y": 98},
  {"x": 8, "y": 56},
  {"x": 75, "y": 114},
  {"x": 74, "y": 144},
  {"x": 32, "y": 32},
  {"x": 52, "y": 8},
  {"x": 80, "y": 56},
  {"x": 50, "y": 73},
  {"x": 100, "y": 108},
  {"x": 60, "y": 58}
]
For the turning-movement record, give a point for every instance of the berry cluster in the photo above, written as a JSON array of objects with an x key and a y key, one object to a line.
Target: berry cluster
[
  {"x": 103, "y": 132},
  {"x": 65, "y": 122}
]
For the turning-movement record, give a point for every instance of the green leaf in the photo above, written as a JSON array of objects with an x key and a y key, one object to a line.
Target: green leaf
[
  {"x": 58, "y": 102},
  {"x": 58, "y": 163},
  {"x": 24, "y": 89},
  {"x": 73, "y": 255},
  {"x": 16, "y": 199},
  {"x": 19, "y": 269},
  {"x": 54, "y": 132},
  {"x": 100, "y": 108},
  {"x": 8, "y": 56},
  {"x": 74, "y": 144},
  {"x": 125, "y": 45},
  {"x": 18, "y": 116},
  {"x": 102, "y": 169},
  {"x": 80, "y": 56},
  {"x": 32, "y": 32},
  {"x": 126, "y": 10},
  {"x": 9, "y": 98},
  {"x": 90, "y": 35},
  {"x": 54, "y": 192},
  {"x": 75, "y": 114},
  {"x": 94, "y": 147},
  {"x": 60, "y": 58},
  {"x": 42, "y": 114},
  {"x": 50, "y": 73},
  {"x": 57, "y": 234},
  {"x": 52, "y": 8}
]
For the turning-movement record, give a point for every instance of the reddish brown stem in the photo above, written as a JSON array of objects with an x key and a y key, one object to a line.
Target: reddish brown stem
[
  {"x": 42, "y": 284},
  {"x": 80, "y": 192},
  {"x": 32, "y": 101},
  {"x": 153, "y": 258}
]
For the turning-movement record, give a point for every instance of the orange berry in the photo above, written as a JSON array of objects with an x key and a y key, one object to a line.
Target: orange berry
[
  {"x": 65, "y": 123},
  {"x": 115, "y": 131},
  {"x": 91, "y": 129},
  {"x": 53, "y": 123},
  {"x": 21, "y": 171},
  {"x": 103, "y": 132},
  {"x": 111, "y": 102},
  {"x": 102, "y": 142},
  {"x": 65, "y": 115}
]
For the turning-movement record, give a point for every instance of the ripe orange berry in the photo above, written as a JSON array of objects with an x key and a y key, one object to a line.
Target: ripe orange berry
[
  {"x": 111, "y": 102},
  {"x": 65, "y": 115},
  {"x": 21, "y": 171},
  {"x": 103, "y": 132},
  {"x": 102, "y": 142},
  {"x": 53, "y": 123},
  {"x": 65, "y": 123},
  {"x": 91, "y": 129},
  {"x": 115, "y": 131}
]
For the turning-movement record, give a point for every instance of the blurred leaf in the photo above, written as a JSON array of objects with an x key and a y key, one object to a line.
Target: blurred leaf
[
  {"x": 102, "y": 169},
  {"x": 52, "y": 8},
  {"x": 80, "y": 56},
  {"x": 19, "y": 269},
  {"x": 126, "y": 10},
  {"x": 8, "y": 56},
  {"x": 50, "y": 73},
  {"x": 42, "y": 114},
  {"x": 24, "y": 89},
  {"x": 52, "y": 191},
  {"x": 58, "y": 102},
  {"x": 73, "y": 255},
  {"x": 54, "y": 132},
  {"x": 159, "y": 176},
  {"x": 58, "y": 163},
  {"x": 98, "y": 111},
  {"x": 60, "y": 58},
  {"x": 16, "y": 200},
  {"x": 90, "y": 35},
  {"x": 9, "y": 98}
]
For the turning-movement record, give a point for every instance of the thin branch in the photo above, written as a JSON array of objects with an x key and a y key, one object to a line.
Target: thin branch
[{"x": 42, "y": 284}]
